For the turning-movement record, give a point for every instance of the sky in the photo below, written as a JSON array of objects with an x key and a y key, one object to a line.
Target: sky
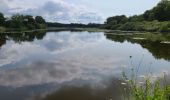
[{"x": 76, "y": 11}]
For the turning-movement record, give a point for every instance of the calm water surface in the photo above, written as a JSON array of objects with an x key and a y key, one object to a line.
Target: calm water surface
[{"x": 74, "y": 65}]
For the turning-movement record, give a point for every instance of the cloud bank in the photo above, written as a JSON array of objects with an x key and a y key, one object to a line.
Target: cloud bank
[{"x": 52, "y": 10}]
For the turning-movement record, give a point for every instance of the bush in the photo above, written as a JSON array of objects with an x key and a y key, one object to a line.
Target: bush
[
  {"x": 2, "y": 29},
  {"x": 164, "y": 28},
  {"x": 129, "y": 26}
]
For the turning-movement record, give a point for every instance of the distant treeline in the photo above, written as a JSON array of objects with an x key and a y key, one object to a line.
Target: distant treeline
[
  {"x": 73, "y": 25},
  {"x": 156, "y": 19},
  {"x": 21, "y": 22}
]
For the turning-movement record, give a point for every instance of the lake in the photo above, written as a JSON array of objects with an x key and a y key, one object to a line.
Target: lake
[{"x": 76, "y": 65}]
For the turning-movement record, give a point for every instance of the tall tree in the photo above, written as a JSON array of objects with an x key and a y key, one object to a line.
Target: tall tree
[
  {"x": 162, "y": 11},
  {"x": 40, "y": 20},
  {"x": 2, "y": 19},
  {"x": 17, "y": 21},
  {"x": 29, "y": 22}
]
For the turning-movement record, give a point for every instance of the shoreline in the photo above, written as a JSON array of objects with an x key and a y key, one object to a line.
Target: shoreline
[{"x": 81, "y": 29}]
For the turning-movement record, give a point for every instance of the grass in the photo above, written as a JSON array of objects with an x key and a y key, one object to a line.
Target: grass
[{"x": 146, "y": 88}]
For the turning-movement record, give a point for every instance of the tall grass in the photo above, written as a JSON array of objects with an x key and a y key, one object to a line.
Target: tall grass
[{"x": 145, "y": 88}]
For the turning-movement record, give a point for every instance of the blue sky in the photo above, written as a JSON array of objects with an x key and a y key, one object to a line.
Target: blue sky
[{"x": 81, "y": 11}]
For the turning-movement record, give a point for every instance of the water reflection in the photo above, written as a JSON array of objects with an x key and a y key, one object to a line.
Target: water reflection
[
  {"x": 2, "y": 40},
  {"x": 111, "y": 91},
  {"x": 21, "y": 37},
  {"x": 158, "y": 49},
  {"x": 72, "y": 65},
  {"x": 75, "y": 90}
]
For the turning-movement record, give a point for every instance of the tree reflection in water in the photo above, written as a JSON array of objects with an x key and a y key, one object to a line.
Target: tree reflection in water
[
  {"x": 159, "y": 50},
  {"x": 112, "y": 91},
  {"x": 21, "y": 37}
]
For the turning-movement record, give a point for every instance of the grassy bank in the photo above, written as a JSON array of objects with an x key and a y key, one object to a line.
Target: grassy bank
[
  {"x": 147, "y": 26},
  {"x": 153, "y": 26},
  {"x": 145, "y": 87}
]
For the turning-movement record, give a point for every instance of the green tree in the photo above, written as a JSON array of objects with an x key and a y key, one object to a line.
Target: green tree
[
  {"x": 2, "y": 19},
  {"x": 17, "y": 21},
  {"x": 115, "y": 22},
  {"x": 40, "y": 20},
  {"x": 136, "y": 18},
  {"x": 29, "y": 22},
  {"x": 149, "y": 15},
  {"x": 162, "y": 11}
]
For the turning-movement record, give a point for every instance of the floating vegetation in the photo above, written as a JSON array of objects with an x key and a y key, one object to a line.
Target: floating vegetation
[
  {"x": 137, "y": 38},
  {"x": 165, "y": 42}
]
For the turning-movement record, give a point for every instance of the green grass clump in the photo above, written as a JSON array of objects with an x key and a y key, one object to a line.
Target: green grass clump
[{"x": 147, "y": 89}]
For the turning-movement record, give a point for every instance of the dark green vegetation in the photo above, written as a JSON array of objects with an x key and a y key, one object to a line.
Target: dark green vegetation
[
  {"x": 154, "y": 20},
  {"x": 154, "y": 43},
  {"x": 74, "y": 25},
  {"x": 19, "y": 38},
  {"x": 21, "y": 22}
]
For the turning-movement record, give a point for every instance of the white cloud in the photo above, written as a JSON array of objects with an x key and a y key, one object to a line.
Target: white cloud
[
  {"x": 51, "y": 10},
  {"x": 59, "y": 58}
]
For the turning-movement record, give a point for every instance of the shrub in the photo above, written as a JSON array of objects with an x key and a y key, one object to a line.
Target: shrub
[
  {"x": 2, "y": 29},
  {"x": 164, "y": 28}
]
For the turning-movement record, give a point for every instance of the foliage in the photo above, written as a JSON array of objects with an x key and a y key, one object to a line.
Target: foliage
[
  {"x": 147, "y": 88},
  {"x": 16, "y": 21},
  {"x": 2, "y": 19},
  {"x": 149, "y": 91},
  {"x": 2, "y": 29},
  {"x": 21, "y": 22},
  {"x": 156, "y": 19},
  {"x": 39, "y": 20},
  {"x": 157, "y": 44},
  {"x": 115, "y": 22},
  {"x": 164, "y": 28},
  {"x": 161, "y": 11},
  {"x": 74, "y": 25}
]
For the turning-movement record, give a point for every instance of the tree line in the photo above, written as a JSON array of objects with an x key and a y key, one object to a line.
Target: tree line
[
  {"x": 156, "y": 19},
  {"x": 21, "y": 22},
  {"x": 73, "y": 25}
]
